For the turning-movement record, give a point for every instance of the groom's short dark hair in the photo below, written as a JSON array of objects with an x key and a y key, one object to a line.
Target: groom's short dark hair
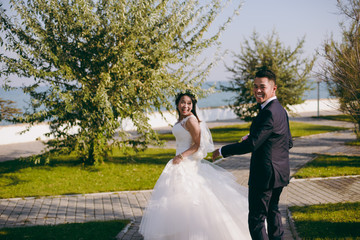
[{"x": 264, "y": 72}]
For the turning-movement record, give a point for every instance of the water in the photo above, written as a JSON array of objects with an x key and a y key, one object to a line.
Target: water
[
  {"x": 216, "y": 99},
  {"x": 219, "y": 99},
  {"x": 21, "y": 99}
]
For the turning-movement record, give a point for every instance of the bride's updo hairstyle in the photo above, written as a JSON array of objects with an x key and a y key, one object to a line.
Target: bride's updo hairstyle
[{"x": 193, "y": 100}]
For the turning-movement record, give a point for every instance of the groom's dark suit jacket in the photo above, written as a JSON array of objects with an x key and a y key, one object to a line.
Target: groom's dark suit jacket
[{"x": 269, "y": 141}]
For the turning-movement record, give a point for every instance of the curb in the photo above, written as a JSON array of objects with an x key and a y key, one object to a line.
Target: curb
[
  {"x": 121, "y": 234},
  {"x": 322, "y": 178},
  {"x": 292, "y": 224},
  {"x": 76, "y": 195}
]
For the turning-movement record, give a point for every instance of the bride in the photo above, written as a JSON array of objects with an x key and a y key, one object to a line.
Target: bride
[{"x": 194, "y": 199}]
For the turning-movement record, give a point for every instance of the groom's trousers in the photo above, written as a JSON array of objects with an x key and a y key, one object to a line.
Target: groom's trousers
[{"x": 263, "y": 204}]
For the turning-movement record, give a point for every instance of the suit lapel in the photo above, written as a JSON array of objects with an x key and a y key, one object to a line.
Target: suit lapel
[{"x": 255, "y": 122}]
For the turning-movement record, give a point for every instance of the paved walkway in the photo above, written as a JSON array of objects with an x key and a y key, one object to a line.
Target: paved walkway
[{"x": 130, "y": 205}]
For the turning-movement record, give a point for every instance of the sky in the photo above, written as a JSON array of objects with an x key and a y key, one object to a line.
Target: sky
[
  {"x": 317, "y": 20},
  {"x": 291, "y": 19}
]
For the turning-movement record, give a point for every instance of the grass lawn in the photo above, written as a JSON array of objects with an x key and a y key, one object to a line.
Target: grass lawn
[
  {"x": 66, "y": 175},
  {"x": 299, "y": 129},
  {"x": 330, "y": 166},
  {"x": 353, "y": 143},
  {"x": 328, "y": 221},
  {"x": 340, "y": 117},
  {"x": 71, "y": 231},
  {"x": 233, "y": 133},
  {"x": 228, "y": 133}
]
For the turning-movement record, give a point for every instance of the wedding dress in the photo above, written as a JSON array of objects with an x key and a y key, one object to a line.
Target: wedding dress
[{"x": 195, "y": 199}]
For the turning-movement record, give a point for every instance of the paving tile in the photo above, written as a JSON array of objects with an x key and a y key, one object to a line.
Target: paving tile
[
  {"x": 118, "y": 212},
  {"x": 130, "y": 205},
  {"x": 126, "y": 206}
]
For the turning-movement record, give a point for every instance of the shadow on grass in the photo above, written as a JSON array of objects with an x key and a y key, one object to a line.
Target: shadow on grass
[
  {"x": 340, "y": 117},
  {"x": 89, "y": 230},
  {"x": 151, "y": 157},
  {"x": 157, "y": 157},
  {"x": 328, "y": 230},
  {"x": 18, "y": 164},
  {"x": 328, "y": 221},
  {"x": 13, "y": 180},
  {"x": 353, "y": 143}
]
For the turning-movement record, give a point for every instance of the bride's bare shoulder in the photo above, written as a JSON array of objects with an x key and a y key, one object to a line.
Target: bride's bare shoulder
[{"x": 192, "y": 122}]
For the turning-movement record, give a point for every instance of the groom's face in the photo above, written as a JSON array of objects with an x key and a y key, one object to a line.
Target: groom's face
[{"x": 263, "y": 89}]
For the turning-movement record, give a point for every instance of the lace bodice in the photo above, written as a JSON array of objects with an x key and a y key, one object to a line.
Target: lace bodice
[{"x": 183, "y": 137}]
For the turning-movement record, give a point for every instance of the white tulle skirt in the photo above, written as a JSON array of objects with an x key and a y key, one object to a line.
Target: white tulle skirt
[{"x": 196, "y": 200}]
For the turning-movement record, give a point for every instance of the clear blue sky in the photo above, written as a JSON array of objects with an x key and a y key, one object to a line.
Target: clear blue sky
[{"x": 292, "y": 19}]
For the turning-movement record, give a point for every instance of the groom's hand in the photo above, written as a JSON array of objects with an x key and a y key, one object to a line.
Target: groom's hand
[{"x": 215, "y": 155}]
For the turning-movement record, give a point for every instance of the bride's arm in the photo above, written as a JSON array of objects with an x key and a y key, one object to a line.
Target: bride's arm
[{"x": 192, "y": 125}]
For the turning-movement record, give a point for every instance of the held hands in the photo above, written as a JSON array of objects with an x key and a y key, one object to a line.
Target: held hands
[{"x": 216, "y": 154}]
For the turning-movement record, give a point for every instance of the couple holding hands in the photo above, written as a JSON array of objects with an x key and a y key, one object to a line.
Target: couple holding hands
[{"x": 194, "y": 199}]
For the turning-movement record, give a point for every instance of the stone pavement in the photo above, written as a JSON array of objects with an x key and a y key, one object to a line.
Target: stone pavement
[{"x": 30, "y": 211}]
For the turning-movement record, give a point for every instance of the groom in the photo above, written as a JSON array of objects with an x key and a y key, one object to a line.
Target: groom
[{"x": 269, "y": 141}]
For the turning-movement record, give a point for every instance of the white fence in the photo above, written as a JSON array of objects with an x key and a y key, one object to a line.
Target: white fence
[{"x": 11, "y": 134}]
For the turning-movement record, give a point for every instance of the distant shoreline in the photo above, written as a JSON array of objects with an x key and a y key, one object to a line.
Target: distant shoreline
[
  {"x": 11, "y": 133},
  {"x": 217, "y": 99}
]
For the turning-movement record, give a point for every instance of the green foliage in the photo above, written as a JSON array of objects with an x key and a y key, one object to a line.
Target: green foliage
[
  {"x": 327, "y": 221},
  {"x": 330, "y": 166},
  {"x": 71, "y": 231},
  {"x": 341, "y": 69},
  {"x": 7, "y": 109},
  {"x": 292, "y": 72},
  {"x": 104, "y": 63}
]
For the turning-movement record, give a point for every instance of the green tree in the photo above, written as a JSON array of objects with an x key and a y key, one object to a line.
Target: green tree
[
  {"x": 292, "y": 72},
  {"x": 105, "y": 61},
  {"x": 341, "y": 69},
  {"x": 8, "y": 110}
]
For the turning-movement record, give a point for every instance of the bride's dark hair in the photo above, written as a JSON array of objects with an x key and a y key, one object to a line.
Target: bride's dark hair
[{"x": 193, "y": 100}]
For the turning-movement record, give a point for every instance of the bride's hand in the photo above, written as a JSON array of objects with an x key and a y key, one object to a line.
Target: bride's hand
[
  {"x": 177, "y": 159},
  {"x": 216, "y": 155}
]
